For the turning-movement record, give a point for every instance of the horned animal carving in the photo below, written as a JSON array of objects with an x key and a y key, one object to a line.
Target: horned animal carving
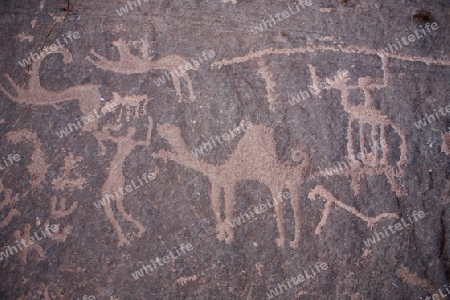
[
  {"x": 243, "y": 165},
  {"x": 87, "y": 94},
  {"x": 131, "y": 64}
]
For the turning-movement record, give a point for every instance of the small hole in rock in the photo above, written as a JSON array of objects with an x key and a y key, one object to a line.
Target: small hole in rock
[{"x": 421, "y": 17}]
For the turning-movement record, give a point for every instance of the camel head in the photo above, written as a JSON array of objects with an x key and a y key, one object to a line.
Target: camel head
[
  {"x": 67, "y": 56},
  {"x": 300, "y": 159}
]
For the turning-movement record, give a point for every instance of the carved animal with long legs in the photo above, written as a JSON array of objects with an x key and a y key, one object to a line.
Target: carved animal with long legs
[
  {"x": 87, "y": 94},
  {"x": 131, "y": 64},
  {"x": 255, "y": 158}
]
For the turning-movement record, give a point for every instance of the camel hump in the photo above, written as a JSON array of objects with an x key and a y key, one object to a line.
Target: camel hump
[{"x": 258, "y": 137}]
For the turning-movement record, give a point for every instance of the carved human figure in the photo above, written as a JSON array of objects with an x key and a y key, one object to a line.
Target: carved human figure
[
  {"x": 364, "y": 114},
  {"x": 125, "y": 145}
]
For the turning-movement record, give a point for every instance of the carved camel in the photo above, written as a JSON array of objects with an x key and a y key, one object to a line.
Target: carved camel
[{"x": 255, "y": 158}]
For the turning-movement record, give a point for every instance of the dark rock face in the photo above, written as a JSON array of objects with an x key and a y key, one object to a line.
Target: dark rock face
[{"x": 225, "y": 149}]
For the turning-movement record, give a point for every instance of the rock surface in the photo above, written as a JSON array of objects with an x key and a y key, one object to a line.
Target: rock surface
[{"x": 225, "y": 149}]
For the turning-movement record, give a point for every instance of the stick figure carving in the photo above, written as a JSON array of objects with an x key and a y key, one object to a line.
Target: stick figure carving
[
  {"x": 365, "y": 114},
  {"x": 243, "y": 165}
]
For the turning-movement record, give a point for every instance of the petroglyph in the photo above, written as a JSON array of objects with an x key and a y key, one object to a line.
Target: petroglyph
[
  {"x": 49, "y": 291},
  {"x": 24, "y": 37},
  {"x": 69, "y": 179},
  {"x": 38, "y": 167},
  {"x": 62, "y": 212},
  {"x": 363, "y": 115},
  {"x": 59, "y": 236},
  {"x": 22, "y": 255},
  {"x": 445, "y": 148},
  {"x": 333, "y": 48},
  {"x": 267, "y": 75},
  {"x": 125, "y": 145},
  {"x": 8, "y": 200},
  {"x": 34, "y": 94},
  {"x": 244, "y": 165},
  {"x": 330, "y": 199},
  {"x": 412, "y": 278},
  {"x": 131, "y": 64}
]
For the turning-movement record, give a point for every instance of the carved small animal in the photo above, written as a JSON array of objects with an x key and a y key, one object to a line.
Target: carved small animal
[{"x": 131, "y": 64}]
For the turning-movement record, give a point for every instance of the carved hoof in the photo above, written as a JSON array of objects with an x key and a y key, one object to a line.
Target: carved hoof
[
  {"x": 192, "y": 99},
  {"x": 229, "y": 239},
  {"x": 123, "y": 243},
  {"x": 221, "y": 235},
  {"x": 280, "y": 242},
  {"x": 294, "y": 244},
  {"x": 140, "y": 232}
]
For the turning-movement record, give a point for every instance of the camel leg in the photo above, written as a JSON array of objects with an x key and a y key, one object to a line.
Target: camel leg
[
  {"x": 176, "y": 84},
  {"x": 320, "y": 191},
  {"x": 354, "y": 174},
  {"x": 216, "y": 207},
  {"x": 229, "y": 209},
  {"x": 384, "y": 160},
  {"x": 191, "y": 90},
  {"x": 12, "y": 83},
  {"x": 395, "y": 187},
  {"x": 295, "y": 203},
  {"x": 278, "y": 203}
]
